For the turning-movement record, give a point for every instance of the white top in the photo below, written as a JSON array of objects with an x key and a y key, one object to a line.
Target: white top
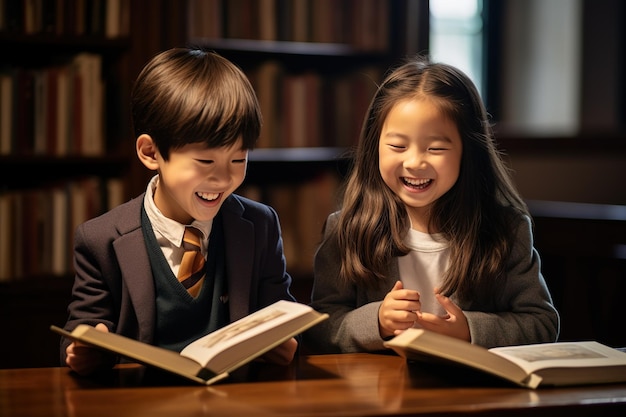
[{"x": 422, "y": 269}]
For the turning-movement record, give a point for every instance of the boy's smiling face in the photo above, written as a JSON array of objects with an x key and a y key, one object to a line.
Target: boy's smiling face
[{"x": 196, "y": 180}]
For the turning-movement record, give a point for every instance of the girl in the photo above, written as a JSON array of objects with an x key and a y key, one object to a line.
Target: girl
[{"x": 432, "y": 232}]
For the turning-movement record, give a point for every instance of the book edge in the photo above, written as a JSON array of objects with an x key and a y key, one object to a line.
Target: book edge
[
  {"x": 135, "y": 350},
  {"x": 401, "y": 345}
]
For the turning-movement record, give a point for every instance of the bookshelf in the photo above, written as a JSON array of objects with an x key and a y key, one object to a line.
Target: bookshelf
[
  {"x": 63, "y": 158},
  {"x": 315, "y": 65},
  {"x": 299, "y": 178},
  {"x": 61, "y": 101}
]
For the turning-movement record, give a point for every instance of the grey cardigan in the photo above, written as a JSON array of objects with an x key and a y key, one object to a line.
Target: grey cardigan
[{"x": 522, "y": 312}]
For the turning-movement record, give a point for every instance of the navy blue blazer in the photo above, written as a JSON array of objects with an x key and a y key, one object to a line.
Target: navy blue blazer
[{"x": 114, "y": 282}]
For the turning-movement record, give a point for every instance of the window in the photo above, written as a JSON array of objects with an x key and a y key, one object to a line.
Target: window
[{"x": 456, "y": 36}]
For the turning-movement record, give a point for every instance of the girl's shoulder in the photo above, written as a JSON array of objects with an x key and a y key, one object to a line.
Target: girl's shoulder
[
  {"x": 513, "y": 215},
  {"x": 331, "y": 222},
  {"x": 518, "y": 225}
]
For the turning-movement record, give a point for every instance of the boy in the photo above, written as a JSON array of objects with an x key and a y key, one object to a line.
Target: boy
[{"x": 195, "y": 117}]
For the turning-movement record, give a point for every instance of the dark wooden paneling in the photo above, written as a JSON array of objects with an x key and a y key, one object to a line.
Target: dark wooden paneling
[
  {"x": 583, "y": 252},
  {"x": 27, "y": 309}
]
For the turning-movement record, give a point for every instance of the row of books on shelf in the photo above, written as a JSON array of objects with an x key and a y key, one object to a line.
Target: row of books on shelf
[
  {"x": 302, "y": 209},
  {"x": 307, "y": 109},
  {"x": 56, "y": 110},
  {"x": 359, "y": 23},
  {"x": 103, "y": 18},
  {"x": 37, "y": 225}
]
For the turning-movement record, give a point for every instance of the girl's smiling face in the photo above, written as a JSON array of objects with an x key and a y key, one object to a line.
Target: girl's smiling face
[
  {"x": 419, "y": 153},
  {"x": 196, "y": 180}
]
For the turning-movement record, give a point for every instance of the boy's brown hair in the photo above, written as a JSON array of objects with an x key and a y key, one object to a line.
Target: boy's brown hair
[{"x": 187, "y": 95}]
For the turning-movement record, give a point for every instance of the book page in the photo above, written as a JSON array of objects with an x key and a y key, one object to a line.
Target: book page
[
  {"x": 207, "y": 347},
  {"x": 561, "y": 354}
]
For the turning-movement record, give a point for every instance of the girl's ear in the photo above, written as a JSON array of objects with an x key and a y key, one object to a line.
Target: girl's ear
[{"x": 147, "y": 152}]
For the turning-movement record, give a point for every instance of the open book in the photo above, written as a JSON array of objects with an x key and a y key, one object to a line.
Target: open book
[
  {"x": 214, "y": 356},
  {"x": 530, "y": 366}
]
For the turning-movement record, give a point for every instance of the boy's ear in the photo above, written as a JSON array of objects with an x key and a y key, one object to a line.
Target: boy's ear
[{"x": 147, "y": 152}]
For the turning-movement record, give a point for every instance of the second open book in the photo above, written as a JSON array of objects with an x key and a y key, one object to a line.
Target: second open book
[
  {"x": 530, "y": 366},
  {"x": 215, "y": 355}
]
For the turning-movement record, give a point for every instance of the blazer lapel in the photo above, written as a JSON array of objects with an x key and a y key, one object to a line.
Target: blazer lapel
[
  {"x": 131, "y": 252},
  {"x": 239, "y": 240}
]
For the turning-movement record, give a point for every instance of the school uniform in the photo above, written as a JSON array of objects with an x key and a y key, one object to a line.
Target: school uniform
[{"x": 115, "y": 280}]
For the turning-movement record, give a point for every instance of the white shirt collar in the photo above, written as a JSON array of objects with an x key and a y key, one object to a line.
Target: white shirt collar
[{"x": 170, "y": 229}]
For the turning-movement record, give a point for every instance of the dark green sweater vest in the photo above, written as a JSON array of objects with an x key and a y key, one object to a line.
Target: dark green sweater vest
[{"x": 180, "y": 318}]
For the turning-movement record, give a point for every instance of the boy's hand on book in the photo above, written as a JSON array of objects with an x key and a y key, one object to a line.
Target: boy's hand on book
[
  {"x": 453, "y": 323},
  {"x": 84, "y": 359},
  {"x": 282, "y": 354},
  {"x": 398, "y": 311}
]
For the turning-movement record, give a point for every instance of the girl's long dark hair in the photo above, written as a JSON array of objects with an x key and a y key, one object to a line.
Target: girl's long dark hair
[{"x": 474, "y": 215}]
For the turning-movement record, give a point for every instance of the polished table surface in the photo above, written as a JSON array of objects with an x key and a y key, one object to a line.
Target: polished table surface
[{"x": 320, "y": 385}]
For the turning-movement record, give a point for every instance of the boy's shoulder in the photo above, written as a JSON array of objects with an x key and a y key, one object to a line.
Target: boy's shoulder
[
  {"x": 245, "y": 204},
  {"x": 237, "y": 208},
  {"x": 125, "y": 215}
]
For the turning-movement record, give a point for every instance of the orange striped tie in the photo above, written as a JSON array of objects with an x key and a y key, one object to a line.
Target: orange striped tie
[{"x": 191, "y": 271}]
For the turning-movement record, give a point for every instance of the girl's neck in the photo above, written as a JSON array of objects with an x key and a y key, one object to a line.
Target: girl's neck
[{"x": 420, "y": 218}]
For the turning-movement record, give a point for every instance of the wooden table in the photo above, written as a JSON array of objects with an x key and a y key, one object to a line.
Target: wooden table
[{"x": 325, "y": 385}]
